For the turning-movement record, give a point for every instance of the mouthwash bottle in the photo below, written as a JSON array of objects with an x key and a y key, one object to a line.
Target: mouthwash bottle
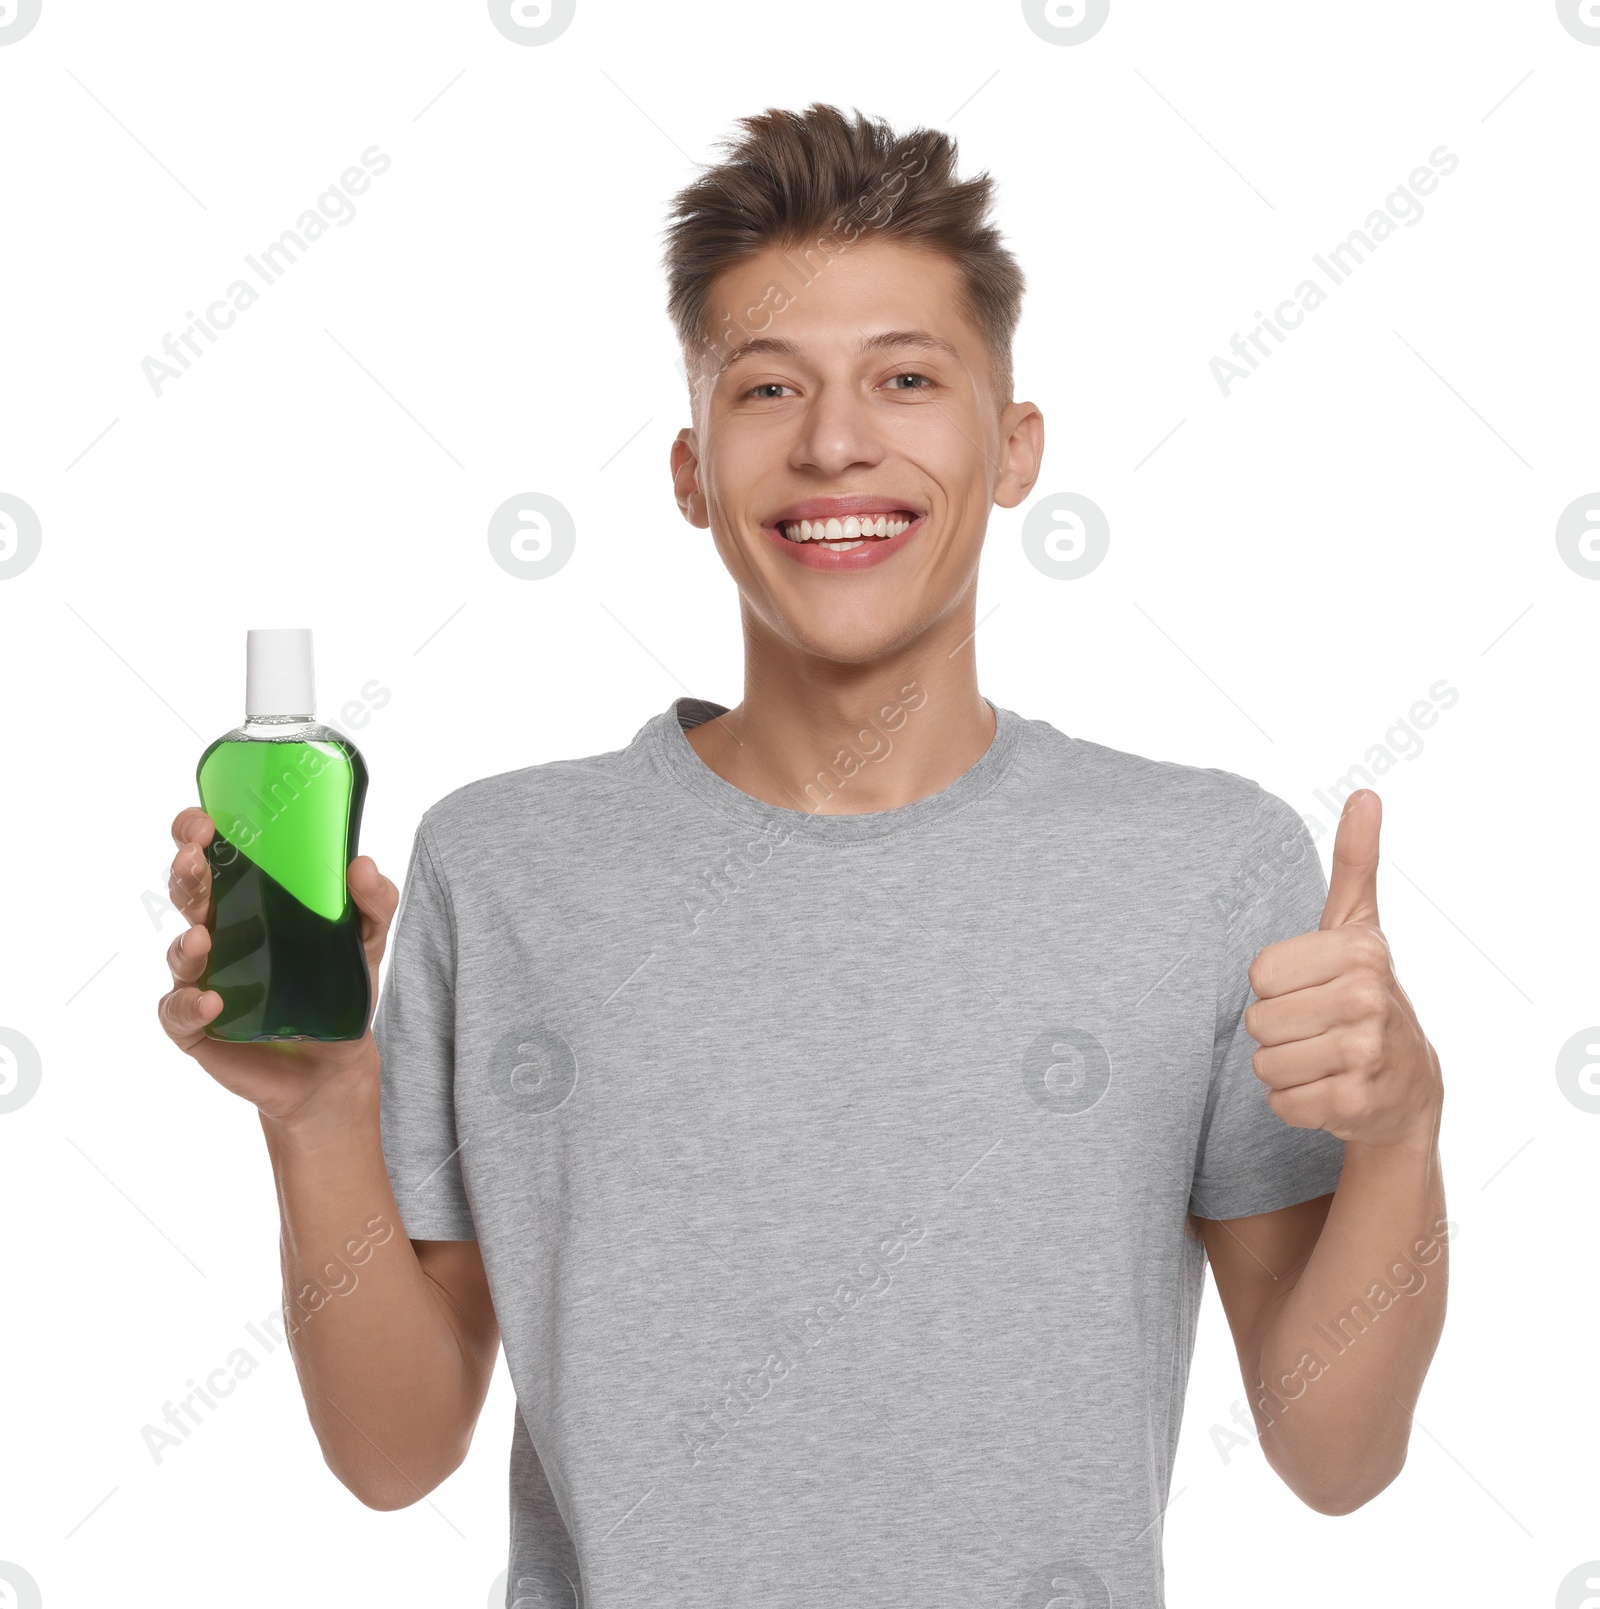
[{"x": 285, "y": 796}]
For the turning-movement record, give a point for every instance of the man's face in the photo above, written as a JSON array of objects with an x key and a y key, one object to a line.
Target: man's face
[{"x": 867, "y": 398}]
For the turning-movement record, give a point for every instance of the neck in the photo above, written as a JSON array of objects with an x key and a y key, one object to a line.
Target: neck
[{"x": 844, "y": 739}]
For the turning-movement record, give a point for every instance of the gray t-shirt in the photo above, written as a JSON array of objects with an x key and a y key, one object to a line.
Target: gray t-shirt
[{"x": 831, "y": 1172}]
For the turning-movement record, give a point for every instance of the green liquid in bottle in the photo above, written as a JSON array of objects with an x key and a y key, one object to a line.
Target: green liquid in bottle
[{"x": 286, "y": 953}]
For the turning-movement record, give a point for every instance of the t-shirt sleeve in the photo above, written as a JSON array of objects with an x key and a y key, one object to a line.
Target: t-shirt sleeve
[
  {"x": 1249, "y": 1160},
  {"x": 415, "y": 1029}
]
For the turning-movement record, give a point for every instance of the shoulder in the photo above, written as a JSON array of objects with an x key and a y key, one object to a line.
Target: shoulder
[
  {"x": 1221, "y": 815},
  {"x": 577, "y": 799}
]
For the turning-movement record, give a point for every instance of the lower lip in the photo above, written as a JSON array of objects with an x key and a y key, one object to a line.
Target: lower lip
[{"x": 816, "y": 555}]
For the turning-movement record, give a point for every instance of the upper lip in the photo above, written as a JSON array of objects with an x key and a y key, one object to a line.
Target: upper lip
[{"x": 838, "y": 508}]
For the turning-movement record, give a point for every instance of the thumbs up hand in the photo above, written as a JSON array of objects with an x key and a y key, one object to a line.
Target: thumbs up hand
[{"x": 1341, "y": 1047}]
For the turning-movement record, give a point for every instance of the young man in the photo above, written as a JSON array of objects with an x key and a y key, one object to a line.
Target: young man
[{"x": 833, "y": 1102}]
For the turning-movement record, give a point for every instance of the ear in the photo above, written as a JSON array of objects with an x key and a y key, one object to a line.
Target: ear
[
  {"x": 686, "y": 478},
  {"x": 1021, "y": 452}
]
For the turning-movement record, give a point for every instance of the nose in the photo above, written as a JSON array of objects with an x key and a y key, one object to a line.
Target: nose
[{"x": 837, "y": 433}]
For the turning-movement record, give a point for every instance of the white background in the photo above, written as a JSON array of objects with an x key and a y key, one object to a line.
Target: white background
[{"x": 1290, "y": 570}]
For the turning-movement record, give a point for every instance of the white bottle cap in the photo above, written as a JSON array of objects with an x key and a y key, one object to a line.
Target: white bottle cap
[{"x": 277, "y": 674}]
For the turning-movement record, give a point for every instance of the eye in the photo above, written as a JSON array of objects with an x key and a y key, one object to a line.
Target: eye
[
  {"x": 923, "y": 382},
  {"x": 765, "y": 391}
]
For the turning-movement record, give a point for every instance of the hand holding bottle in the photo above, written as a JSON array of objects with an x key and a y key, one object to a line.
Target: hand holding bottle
[
  {"x": 286, "y": 1079},
  {"x": 274, "y": 981}
]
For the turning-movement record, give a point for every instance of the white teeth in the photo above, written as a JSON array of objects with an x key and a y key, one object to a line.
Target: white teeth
[
  {"x": 847, "y": 530},
  {"x": 844, "y": 547}
]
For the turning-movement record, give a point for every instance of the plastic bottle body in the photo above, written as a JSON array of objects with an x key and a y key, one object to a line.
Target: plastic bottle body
[{"x": 285, "y": 796}]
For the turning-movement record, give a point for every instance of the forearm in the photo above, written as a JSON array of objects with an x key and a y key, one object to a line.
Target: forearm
[
  {"x": 388, "y": 1388},
  {"x": 1343, "y": 1352}
]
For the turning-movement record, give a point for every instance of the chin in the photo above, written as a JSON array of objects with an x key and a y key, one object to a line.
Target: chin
[{"x": 847, "y": 643}]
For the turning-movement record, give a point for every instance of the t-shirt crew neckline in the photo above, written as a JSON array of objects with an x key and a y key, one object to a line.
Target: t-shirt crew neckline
[{"x": 678, "y": 757}]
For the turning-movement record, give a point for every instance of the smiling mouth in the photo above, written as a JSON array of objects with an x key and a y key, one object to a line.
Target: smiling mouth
[{"x": 853, "y": 531}]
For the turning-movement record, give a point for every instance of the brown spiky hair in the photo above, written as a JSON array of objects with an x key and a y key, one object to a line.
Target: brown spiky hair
[{"x": 811, "y": 184}]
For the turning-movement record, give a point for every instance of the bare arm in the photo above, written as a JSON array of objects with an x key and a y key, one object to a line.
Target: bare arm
[
  {"x": 1336, "y": 1307},
  {"x": 394, "y": 1340}
]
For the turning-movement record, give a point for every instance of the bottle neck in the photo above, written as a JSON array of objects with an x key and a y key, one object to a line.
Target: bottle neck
[{"x": 275, "y": 725}]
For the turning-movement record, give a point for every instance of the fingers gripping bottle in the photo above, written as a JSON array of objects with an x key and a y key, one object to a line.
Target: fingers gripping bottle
[{"x": 285, "y": 796}]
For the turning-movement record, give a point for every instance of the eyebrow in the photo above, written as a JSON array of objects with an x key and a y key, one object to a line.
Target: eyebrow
[{"x": 778, "y": 346}]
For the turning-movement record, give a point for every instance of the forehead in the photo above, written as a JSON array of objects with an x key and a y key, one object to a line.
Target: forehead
[{"x": 828, "y": 297}]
